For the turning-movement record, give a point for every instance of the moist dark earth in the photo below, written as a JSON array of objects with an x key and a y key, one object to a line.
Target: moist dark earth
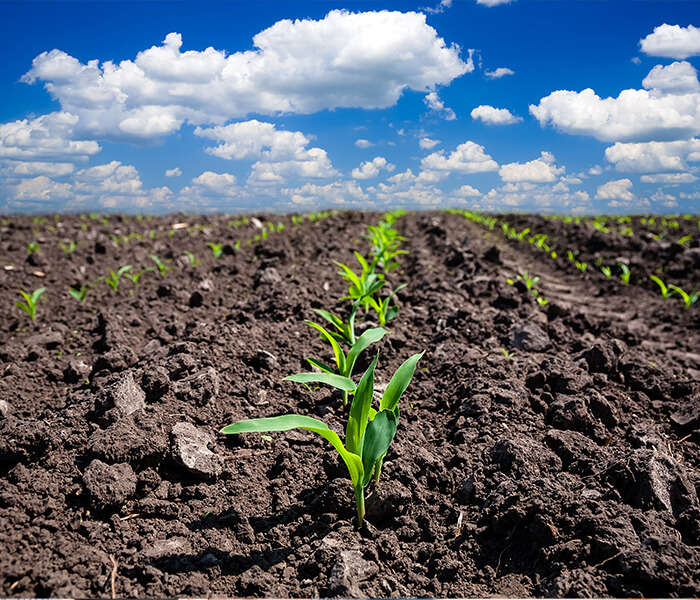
[{"x": 543, "y": 450}]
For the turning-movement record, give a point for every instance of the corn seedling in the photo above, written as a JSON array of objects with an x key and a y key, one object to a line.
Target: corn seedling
[
  {"x": 363, "y": 285},
  {"x": 665, "y": 290},
  {"x": 581, "y": 266},
  {"x": 542, "y": 301},
  {"x": 368, "y": 434},
  {"x": 193, "y": 261},
  {"x": 30, "y": 302},
  {"x": 68, "y": 248},
  {"x": 385, "y": 242},
  {"x": 626, "y": 272},
  {"x": 163, "y": 269},
  {"x": 345, "y": 331},
  {"x": 135, "y": 277},
  {"x": 216, "y": 249},
  {"x": 605, "y": 270},
  {"x": 114, "y": 277},
  {"x": 80, "y": 293},
  {"x": 32, "y": 247},
  {"x": 688, "y": 299},
  {"x": 381, "y": 307},
  {"x": 344, "y": 363},
  {"x": 685, "y": 240}
]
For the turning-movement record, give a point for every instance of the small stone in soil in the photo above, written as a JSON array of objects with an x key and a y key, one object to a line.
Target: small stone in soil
[
  {"x": 189, "y": 449},
  {"x": 109, "y": 485}
]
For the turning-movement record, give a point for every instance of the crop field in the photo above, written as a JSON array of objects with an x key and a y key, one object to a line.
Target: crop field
[{"x": 349, "y": 404}]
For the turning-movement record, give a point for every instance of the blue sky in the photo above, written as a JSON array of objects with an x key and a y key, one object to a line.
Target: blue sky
[{"x": 523, "y": 105}]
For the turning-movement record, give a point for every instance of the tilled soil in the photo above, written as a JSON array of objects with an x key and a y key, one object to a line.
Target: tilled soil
[{"x": 542, "y": 450}]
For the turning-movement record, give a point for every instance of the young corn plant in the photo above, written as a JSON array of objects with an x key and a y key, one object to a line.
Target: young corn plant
[
  {"x": 368, "y": 434},
  {"x": 80, "y": 294},
  {"x": 626, "y": 273},
  {"x": 114, "y": 277},
  {"x": 363, "y": 285},
  {"x": 193, "y": 261},
  {"x": 666, "y": 291},
  {"x": 381, "y": 307},
  {"x": 688, "y": 299},
  {"x": 384, "y": 246},
  {"x": 136, "y": 277},
  {"x": 344, "y": 331},
  {"x": 217, "y": 250},
  {"x": 162, "y": 266},
  {"x": 30, "y": 302},
  {"x": 345, "y": 363},
  {"x": 70, "y": 247}
]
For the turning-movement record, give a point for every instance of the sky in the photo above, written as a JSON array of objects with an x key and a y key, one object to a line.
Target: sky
[{"x": 554, "y": 106}]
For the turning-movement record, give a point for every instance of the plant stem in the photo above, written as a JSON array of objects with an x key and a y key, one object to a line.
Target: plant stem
[{"x": 360, "y": 501}]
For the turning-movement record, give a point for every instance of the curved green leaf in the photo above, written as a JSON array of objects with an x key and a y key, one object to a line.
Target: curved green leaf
[
  {"x": 337, "y": 381},
  {"x": 359, "y": 411},
  {"x": 399, "y": 382},
  {"x": 337, "y": 350},
  {"x": 368, "y": 337},
  {"x": 287, "y": 422},
  {"x": 320, "y": 365},
  {"x": 378, "y": 437}
]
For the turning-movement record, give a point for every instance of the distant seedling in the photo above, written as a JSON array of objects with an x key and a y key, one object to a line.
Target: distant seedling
[
  {"x": 31, "y": 301},
  {"x": 688, "y": 299},
  {"x": 163, "y": 267},
  {"x": 114, "y": 277},
  {"x": 217, "y": 250},
  {"x": 665, "y": 290}
]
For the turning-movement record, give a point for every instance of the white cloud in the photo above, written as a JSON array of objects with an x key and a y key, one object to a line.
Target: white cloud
[
  {"x": 371, "y": 168},
  {"x": 493, "y": 2},
  {"x": 442, "y": 6},
  {"x": 494, "y": 116},
  {"x": 661, "y": 197},
  {"x": 176, "y": 172},
  {"x": 635, "y": 115},
  {"x": 595, "y": 170},
  {"x": 536, "y": 198},
  {"x": 540, "y": 170},
  {"x": 40, "y": 189},
  {"x": 615, "y": 190},
  {"x": 432, "y": 100},
  {"x": 346, "y": 193},
  {"x": 499, "y": 72},
  {"x": 672, "y": 41},
  {"x": 466, "y": 191},
  {"x": 676, "y": 78},
  {"x": 278, "y": 153},
  {"x": 12, "y": 168},
  {"x": 47, "y": 137},
  {"x": 220, "y": 184},
  {"x": 653, "y": 156},
  {"x": 469, "y": 157},
  {"x": 427, "y": 144},
  {"x": 669, "y": 178},
  {"x": 363, "y": 60},
  {"x": 362, "y": 143}
]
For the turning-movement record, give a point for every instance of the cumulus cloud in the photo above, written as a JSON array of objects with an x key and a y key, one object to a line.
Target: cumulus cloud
[
  {"x": 12, "y": 168},
  {"x": 278, "y": 153},
  {"x": 427, "y": 143},
  {"x": 676, "y": 78},
  {"x": 469, "y": 157},
  {"x": 362, "y": 60},
  {"x": 49, "y": 137},
  {"x": 371, "y": 168},
  {"x": 362, "y": 143},
  {"x": 433, "y": 102},
  {"x": 616, "y": 190},
  {"x": 176, "y": 172},
  {"x": 40, "y": 189},
  {"x": 540, "y": 170},
  {"x": 221, "y": 184},
  {"x": 499, "y": 72},
  {"x": 494, "y": 116},
  {"x": 345, "y": 193},
  {"x": 442, "y": 6},
  {"x": 466, "y": 191},
  {"x": 669, "y": 178},
  {"x": 668, "y": 111},
  {"x": 651, "y": 157},
  {"x": 672, "y": 41}
]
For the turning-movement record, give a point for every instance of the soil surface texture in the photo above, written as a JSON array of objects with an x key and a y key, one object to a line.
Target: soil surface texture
[{"x": 546, "y": 447}]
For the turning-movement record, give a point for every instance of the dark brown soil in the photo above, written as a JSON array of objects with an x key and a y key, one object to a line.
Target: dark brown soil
[{"x": 566, "y": 466}]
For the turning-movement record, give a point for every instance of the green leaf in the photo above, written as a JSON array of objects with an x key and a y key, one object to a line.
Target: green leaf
[
  {"x": 368, "y": 337},
  {"x": 337, "y": 350},
  {"x": 359, "y": 411},
  {"x": 320, "y": 365},
  {"x": 336, "y": 381},
  {"x": 378, "y": 437},
  {"x": 399, "y": 382},
  {"x": 287, "y": 422}
]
